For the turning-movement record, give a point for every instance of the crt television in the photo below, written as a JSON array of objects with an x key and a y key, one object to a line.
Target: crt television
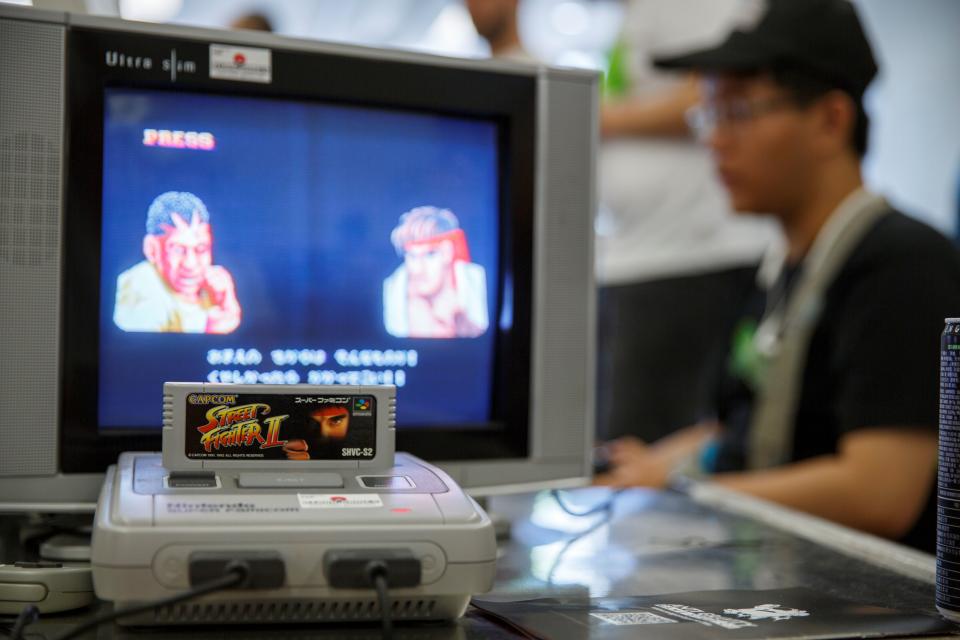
[{"x": 197, "y": 205}]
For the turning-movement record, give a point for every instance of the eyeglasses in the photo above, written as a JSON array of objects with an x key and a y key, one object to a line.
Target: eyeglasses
[{"x": 703, "y": 118}]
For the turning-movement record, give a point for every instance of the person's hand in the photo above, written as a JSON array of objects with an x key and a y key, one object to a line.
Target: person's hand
[
  {"x": 219, "y": 285},
  {"x": 296, "y": 450},
  {"x": 224, "y": 316},
  {"x": 634, "y": 463}
]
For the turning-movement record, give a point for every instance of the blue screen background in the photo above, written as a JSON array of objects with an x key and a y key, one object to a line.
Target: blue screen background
[{"x": 302, "y": 199}]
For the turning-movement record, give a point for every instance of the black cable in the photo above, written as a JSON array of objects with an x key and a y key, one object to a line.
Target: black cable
[
  {"x": 380, "y": 584},
  {"x": 236, "y": 574},
  {"x": 603, "y": 506},
  {"x": 606, "y": 507},
  {"x": 28, "y": 615},
  {"x": 377, "y": 574}
]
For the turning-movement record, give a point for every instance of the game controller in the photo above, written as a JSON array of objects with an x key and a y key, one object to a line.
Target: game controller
[{"x": 49, "y": 586}]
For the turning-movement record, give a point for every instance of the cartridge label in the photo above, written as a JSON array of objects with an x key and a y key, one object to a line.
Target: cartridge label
[{"x": 250, "y": 426}]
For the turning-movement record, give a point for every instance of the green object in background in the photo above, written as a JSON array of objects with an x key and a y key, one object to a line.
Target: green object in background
[
  {"x": 615, "y": 80},
  {"x": 746, "y": 363}
]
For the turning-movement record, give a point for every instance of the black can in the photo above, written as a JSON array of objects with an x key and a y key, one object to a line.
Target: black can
[{"x": 948, "y": 475}]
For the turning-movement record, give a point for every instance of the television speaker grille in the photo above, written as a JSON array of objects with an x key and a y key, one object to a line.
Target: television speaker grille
[{"x": 31, "y": 143}]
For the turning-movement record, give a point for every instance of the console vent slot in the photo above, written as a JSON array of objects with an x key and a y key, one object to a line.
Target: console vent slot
[
  {"x": 168, "y": 411},
  {"x": 346, "y": 610}
]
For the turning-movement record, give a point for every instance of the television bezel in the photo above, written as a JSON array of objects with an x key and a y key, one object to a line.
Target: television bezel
[{"x": 508, "y": 99}]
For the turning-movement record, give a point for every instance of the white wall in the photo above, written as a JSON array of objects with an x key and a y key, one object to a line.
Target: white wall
[{"x": 915, "y": 106}]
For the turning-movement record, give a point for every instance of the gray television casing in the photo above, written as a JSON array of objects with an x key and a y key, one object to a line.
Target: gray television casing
[{"x": 32, "y": 178}]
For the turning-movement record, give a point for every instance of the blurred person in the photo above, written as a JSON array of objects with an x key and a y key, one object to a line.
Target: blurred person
[
  {"x": 437, "y": 292},
  {"x": 253, "y": 21},
  {"x": 829, "y": 400},
  {"x": 673, "y": 262},
  {"x": 496, "y": 22},
  {"x": 177, "y": 288}
]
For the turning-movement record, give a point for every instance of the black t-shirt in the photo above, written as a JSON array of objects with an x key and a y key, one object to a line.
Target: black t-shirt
[{"x": 874, "y": 356}]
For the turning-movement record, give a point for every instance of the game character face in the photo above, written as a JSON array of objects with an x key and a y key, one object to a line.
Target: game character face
[
  {"x": 334, "y": 422},
  {"x": 428, "y": 265},
  {"x": 182, "y": 254}
]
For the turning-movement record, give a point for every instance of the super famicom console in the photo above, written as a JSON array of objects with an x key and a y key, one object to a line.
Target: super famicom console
[{"x": 302, "y": 484}]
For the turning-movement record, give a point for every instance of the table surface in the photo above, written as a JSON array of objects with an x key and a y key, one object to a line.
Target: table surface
[{"x": 652, "y": 543}]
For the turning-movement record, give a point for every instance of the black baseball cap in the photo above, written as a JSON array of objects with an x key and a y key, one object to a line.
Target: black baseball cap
[{"x": 821, "y": 37}]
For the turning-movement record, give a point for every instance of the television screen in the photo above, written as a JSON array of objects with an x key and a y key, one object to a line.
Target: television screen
[{"x": 259, "y": 240}]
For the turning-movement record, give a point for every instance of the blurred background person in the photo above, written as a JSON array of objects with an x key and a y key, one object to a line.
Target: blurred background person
[
  {"x": 829, "y": 403},
  {"x": 497, "y": 22},
  {"x": 673, "y": 262},
  {"x": 253, "y": 21}
]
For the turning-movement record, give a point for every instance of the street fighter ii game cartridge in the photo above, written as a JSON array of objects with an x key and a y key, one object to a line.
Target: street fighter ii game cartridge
[{"x": 280, "y": 427}]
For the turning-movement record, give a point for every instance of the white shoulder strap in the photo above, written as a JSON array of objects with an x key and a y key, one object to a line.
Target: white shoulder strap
[{"x": 773, "y": 418}]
